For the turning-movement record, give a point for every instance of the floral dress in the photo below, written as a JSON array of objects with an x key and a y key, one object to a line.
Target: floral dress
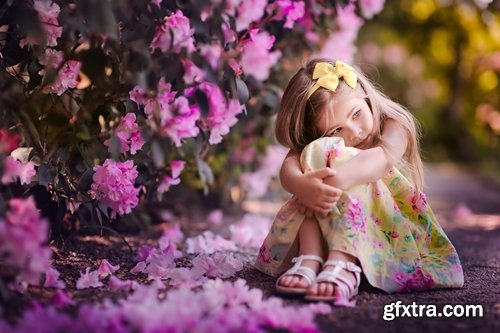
[{"x": 387, "y": 225}]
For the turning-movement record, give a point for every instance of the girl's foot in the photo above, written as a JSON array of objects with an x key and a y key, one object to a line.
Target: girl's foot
[
  {"x": 301, "y": 276},
  {"x": 329, "y": 289}
]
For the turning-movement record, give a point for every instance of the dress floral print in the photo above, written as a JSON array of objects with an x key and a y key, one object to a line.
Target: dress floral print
[{"x": 387, "y": 225}]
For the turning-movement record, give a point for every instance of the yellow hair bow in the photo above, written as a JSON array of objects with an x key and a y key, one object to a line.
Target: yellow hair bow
[{"x": 328, "y": 76}]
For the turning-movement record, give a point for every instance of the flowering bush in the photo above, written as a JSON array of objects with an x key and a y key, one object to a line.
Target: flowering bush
[{"x": 109, "y": 108}]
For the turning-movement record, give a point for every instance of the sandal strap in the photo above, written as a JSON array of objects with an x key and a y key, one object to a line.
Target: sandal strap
[
  {"x": 303, "y": 271},
  {"x": 347, "y": 265},
  {"x": 298, "y": 260},
  {"x": 346, "y": 286}
]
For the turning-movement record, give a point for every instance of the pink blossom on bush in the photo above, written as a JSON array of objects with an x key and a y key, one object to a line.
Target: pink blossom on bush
[
  {"x": 48, "y": 12},
  {"x": 291, "y": 10},
  {"x": 192, "y": 73},
  {"x": 176, "y": 168},
  {"x": 23, "y": 237},
  {"x": 176, "y": 26},
  {"x": 221, "y": 115},
  {"x": 67, "y": 76},
  {"x": 129, "y": 135},
  {"x": 369, "y": 8},
  {"x": 164, "y": 97},
  {"x": 114, "y": 186},
  {"x": 89, "y": 279},
  {"x": 178, "y": 120},
  {"x": 14, "y": 170},
  {"x": 255, "y": 184},
  {"x": 106, "y": 268},
  {"x": 248, "y": 12},
  {"x": 212, "y": 54},
  {"x": 256, "y": 60}
]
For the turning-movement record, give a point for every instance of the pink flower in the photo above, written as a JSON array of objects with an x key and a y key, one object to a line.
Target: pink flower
[
  {"x": 255, "y": 184},
  {"x": 256, "y": 60},
  {"x": 251, "y": 230},
  {"x": 192, "y": 73},
  {"x": 115, "y": 284},
  {"x": 67, "y": 77},
  {"x": 419, "y": 203},
  {"x": 176, "y": 26},
  {"x": 291, "y": 10},
  {"x": 212, "y": 54},
  {"x": 172, "y": 234},
  {"x": 218, "y": 265},
  {"x": 52, "y": 279},
  {"x": 14, "y": 169},
  {"x": 187, "y": 277},
  {"x": 61, "y": 299},
  {"x": 208, "y": 243},
  {"x": 114, "y": 186},
  {"x": 105, "y": 268},
  {"x": 178, "y": 120},
  {"x": 23, "y": 236},
  {"x": 129, "y": 135},
  {"x": 248, "y": 12},
  {"x": 88, "y": 280},
  {"x": 8, "y": 142},
  {"x": 222, "y": 115},
  {"x": 48, "y": 12},
  {"x": 176, "y": 166},
  {"x": 164, "y": 97},
  {"x": 369, "y": 8},
  {"x": 215, "y": 217}
]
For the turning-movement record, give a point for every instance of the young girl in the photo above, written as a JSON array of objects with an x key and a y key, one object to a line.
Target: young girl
[{"x": 356, "y": 175}]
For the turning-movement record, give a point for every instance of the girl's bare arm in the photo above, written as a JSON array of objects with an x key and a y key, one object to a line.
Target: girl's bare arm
[
  {"x": 372, "y": 164},
  {"x": 308, "y": 187}
]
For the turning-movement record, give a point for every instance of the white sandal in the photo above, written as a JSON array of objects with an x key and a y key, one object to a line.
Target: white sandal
[
  {"x": 347, "y": 289},
  {"x": 307, "y": 273}
]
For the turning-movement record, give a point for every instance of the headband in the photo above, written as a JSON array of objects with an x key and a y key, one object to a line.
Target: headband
[{"x": 328, "y": 76}]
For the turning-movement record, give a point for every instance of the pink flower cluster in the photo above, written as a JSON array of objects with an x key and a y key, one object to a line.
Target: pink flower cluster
[
  {"x": 178, "y": 118},
  {"x": 222, "y": 114},
  {"x": 290, "y": 10},
  {"x": 14, "y": 169},
  {"x": 23, "y": 238},
  {"x": 256, "y": 59},
  {"x": 175, "y": 32},
  {"x": 114, "y": 186},
  {"x": 67, "y": 76},
  {"x": 129, "y": 134},
  {"x": 255, "y": 184},
  {"x": 176, "y": 168},
  {"x": 370, "y": 8},
  {"x": 248, "y": 12},
  {"x": 48, "y": 12},
  {"x": 218, "y": 307}
]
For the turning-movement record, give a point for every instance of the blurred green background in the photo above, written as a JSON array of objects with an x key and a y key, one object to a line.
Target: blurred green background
[{"x": 441, "y": 59}]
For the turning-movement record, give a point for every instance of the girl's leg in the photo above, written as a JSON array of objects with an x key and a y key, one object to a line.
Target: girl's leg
[
  {"x": 310, "y": 242},
  {"x": 328, "y": 288}
]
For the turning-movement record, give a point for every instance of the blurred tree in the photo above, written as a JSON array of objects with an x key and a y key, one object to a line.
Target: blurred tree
[{"x": 442, "y": 59}]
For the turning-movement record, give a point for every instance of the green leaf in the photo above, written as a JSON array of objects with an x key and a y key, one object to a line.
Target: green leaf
[
  {"x": 206, "y": 174},
  {"x": 45, "y": 174},
  {"x": 85, "y": 181}
]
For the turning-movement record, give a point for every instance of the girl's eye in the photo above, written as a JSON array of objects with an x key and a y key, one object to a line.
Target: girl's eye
[
  {"x": 356, "y": 114},
  {"x": 336, "y": 131}
]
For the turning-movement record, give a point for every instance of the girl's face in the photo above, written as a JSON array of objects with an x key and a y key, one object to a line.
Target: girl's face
[{"x": 351, "y": 119}]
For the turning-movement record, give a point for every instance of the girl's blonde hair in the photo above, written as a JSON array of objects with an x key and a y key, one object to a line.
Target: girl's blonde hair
[{"x": 297, "y": 115}]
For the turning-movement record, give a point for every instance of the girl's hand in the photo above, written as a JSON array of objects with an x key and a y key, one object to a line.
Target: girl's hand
[{"x": 315, "y": 194}]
